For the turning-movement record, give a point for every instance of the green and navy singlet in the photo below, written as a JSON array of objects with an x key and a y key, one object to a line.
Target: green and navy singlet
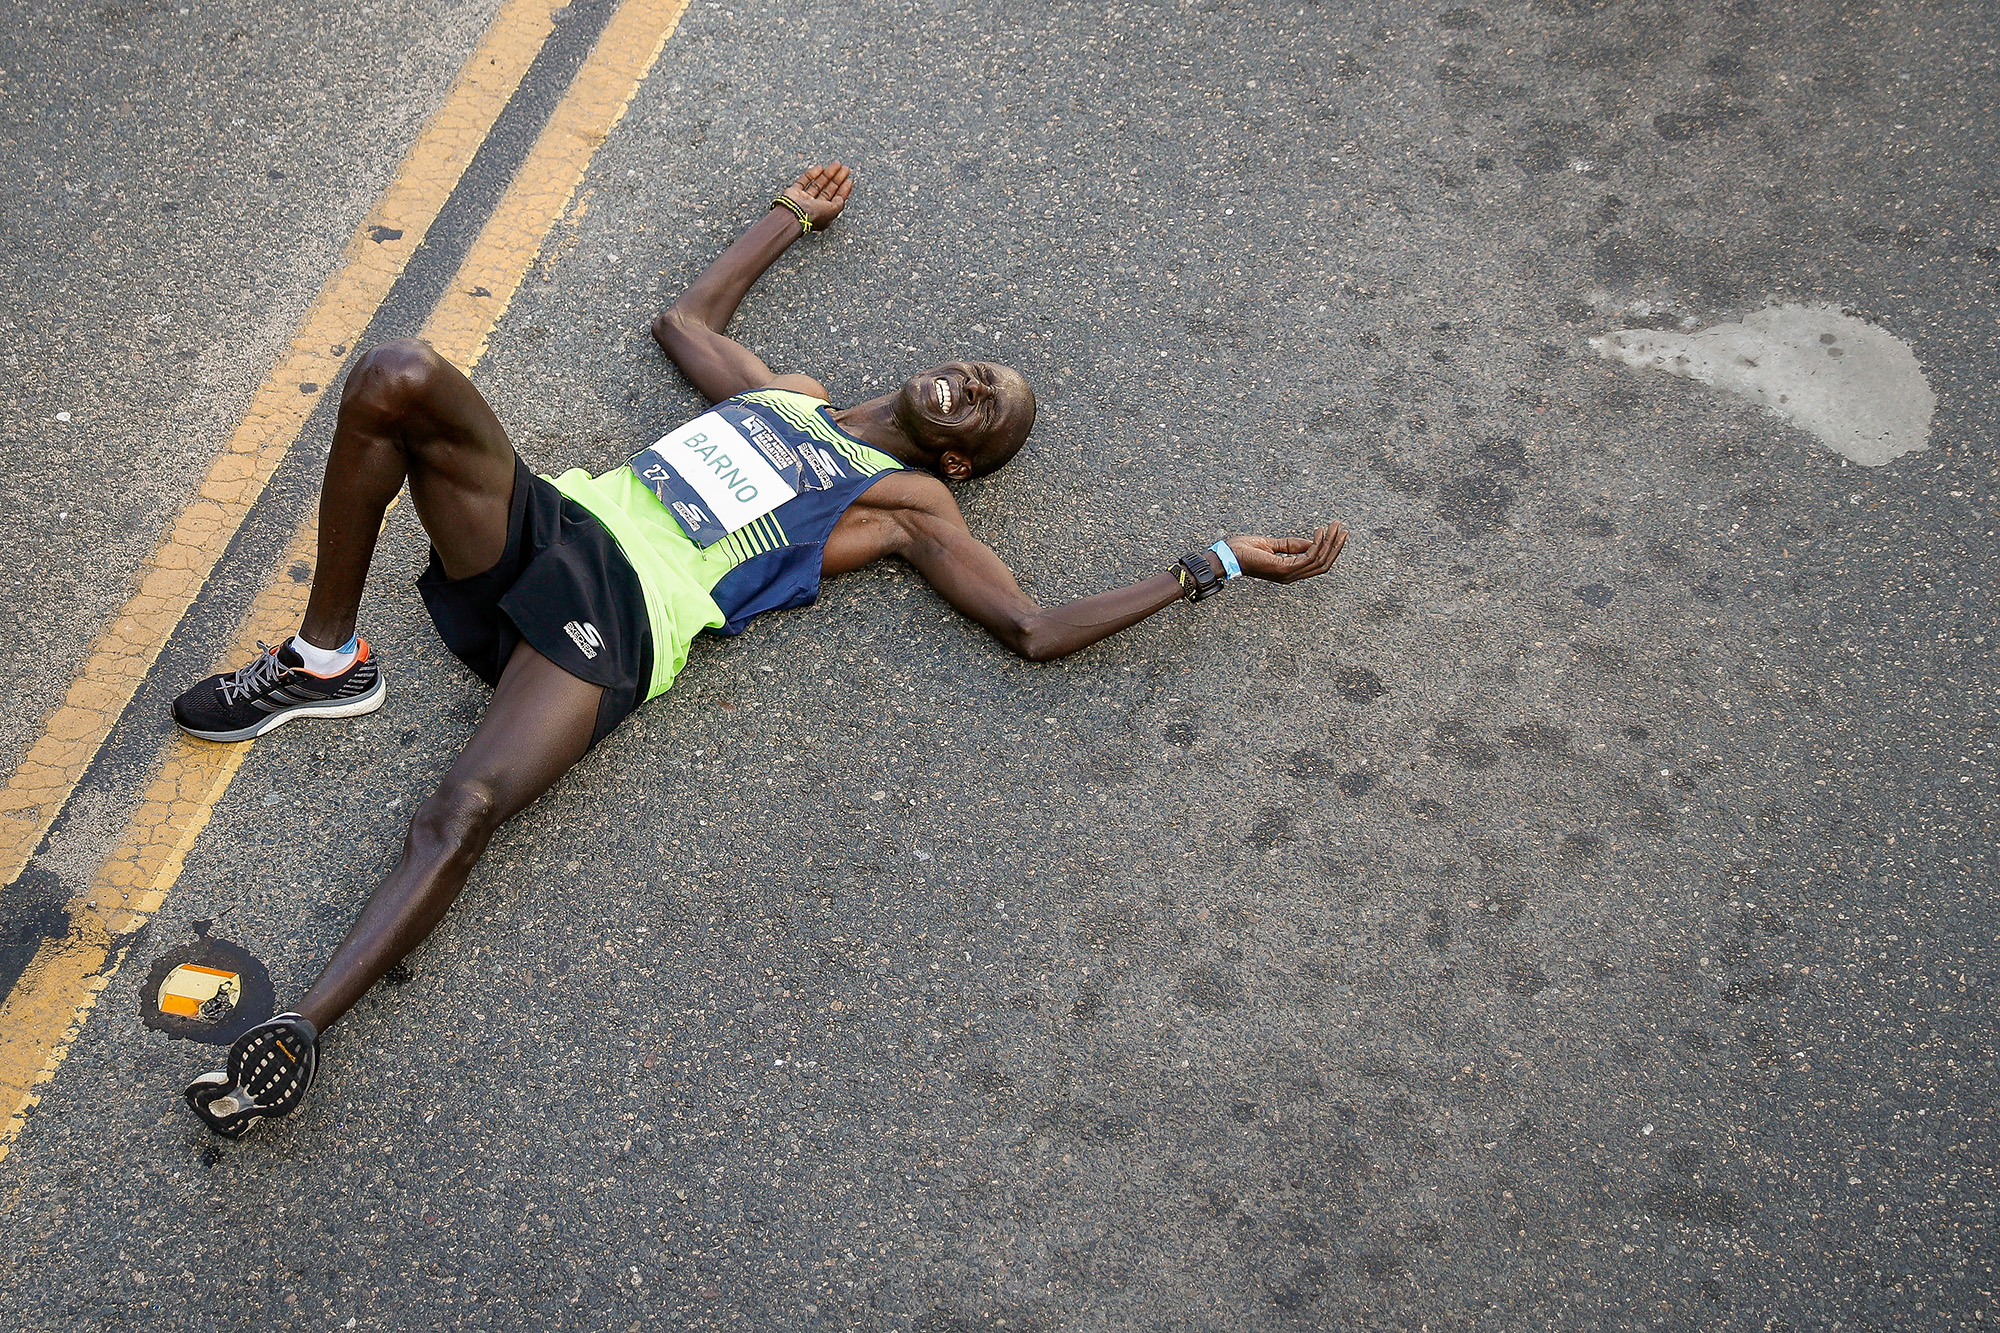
[{"x": 769, "y": 565}]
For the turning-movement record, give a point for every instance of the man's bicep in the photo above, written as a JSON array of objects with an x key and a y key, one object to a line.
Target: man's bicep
[
  {"x": 967, "y": 573},
  {"x": 715, "y": 363}
]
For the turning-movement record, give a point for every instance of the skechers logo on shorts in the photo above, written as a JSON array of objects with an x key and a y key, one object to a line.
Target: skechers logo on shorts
[{"x": 585, "y": 636}]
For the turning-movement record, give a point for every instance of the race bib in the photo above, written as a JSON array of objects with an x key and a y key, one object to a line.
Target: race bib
[{"x": 722, "y": 472}]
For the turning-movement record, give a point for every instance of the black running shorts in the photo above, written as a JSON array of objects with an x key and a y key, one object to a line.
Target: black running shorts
[{"x": 563, "y": 585}]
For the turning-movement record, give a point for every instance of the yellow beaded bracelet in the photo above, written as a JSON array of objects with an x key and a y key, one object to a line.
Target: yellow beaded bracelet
[{"x": 793, "y": 204}]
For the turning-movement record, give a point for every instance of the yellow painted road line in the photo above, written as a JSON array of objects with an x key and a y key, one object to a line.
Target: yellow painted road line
[
  {"x": 542, "y": 188},
  {"x": 169, "y": 580},
  {"x": 56, "y": 993}
]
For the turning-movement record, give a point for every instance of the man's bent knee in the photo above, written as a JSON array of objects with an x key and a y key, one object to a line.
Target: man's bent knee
[
  {"x": 456, "y": 821},
  {"x": 395, "y": 376}
]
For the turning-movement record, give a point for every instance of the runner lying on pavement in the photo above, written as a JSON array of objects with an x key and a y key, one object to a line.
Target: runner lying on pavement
[{"x": 576, "y": 597}]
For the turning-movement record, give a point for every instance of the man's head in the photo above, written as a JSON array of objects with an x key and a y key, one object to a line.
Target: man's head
[{"x": 970, "y": 416}]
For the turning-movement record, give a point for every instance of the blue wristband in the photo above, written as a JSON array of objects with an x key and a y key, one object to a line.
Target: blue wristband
[{"x": 1231, "y": 568}]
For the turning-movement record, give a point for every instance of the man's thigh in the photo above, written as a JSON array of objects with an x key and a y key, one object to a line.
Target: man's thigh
[
  {"x": 460, "y": 464},
  {"x": 539, "y": 725}
]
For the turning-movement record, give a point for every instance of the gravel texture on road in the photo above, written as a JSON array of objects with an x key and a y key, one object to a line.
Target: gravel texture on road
[{"x": 1572, "y": 913}]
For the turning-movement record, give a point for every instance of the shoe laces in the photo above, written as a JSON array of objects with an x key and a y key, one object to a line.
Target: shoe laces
[{"x": 254, "y": 678}]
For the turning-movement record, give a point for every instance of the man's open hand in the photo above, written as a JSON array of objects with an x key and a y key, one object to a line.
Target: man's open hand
[
  {"x": 1289, "y": 559},
  {"x": 822, "y": 192}
]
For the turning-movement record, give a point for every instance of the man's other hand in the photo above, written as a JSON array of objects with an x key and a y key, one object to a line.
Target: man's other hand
[
  {"x": 822, "y": 192},
  {"x": 1289, "y": 559}
]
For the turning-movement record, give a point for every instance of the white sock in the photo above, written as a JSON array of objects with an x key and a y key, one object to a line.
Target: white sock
[{"x": 327, "y": 661}]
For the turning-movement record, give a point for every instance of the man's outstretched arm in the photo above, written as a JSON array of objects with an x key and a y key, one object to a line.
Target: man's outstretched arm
[
  {"x": 690, "y": 331},
  {"x": 927, "y": 530}
]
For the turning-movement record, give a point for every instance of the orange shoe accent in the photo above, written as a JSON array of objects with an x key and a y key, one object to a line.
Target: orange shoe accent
[{"x": 360, "y": 656}]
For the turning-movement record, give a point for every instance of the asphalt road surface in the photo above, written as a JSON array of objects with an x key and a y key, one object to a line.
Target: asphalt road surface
[{"x": 1573, "y": 913}]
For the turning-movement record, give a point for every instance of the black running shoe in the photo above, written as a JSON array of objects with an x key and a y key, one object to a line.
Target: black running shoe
[
  {"x": 273, "y": 690},
  {"x": 270, "y": 1069}
]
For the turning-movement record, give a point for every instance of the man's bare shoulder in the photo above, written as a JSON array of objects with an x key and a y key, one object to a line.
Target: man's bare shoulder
[
  {"x": 913, "y": 492},
  {"x": 804, "y": 384}
]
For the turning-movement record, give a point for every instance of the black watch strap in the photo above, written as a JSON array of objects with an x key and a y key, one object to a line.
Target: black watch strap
[{"x": 1197, "y": 576}]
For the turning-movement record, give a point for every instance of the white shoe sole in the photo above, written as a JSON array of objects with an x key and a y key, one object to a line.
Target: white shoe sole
[{"x": 332, "y": 708}]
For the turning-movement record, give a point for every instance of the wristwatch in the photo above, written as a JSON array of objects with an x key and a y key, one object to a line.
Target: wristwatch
[{"x": 1197, "y": 576}]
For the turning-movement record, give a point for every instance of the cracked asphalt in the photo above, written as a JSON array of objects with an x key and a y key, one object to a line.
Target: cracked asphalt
[{"x": 1572, "y": 913}]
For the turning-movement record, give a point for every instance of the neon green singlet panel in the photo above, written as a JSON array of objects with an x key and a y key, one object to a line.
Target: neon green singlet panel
[
  {"x": 678, "y": 576},
  {"x": 669, "y": 566}
]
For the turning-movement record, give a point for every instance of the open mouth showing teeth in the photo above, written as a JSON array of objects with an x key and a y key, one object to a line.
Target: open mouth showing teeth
[{"x": 943, "y": 395}]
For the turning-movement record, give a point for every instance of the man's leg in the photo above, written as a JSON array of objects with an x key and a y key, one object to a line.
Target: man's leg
[
  {"x": 539, "y": 725},
  {"x": 407, "y": 414}
]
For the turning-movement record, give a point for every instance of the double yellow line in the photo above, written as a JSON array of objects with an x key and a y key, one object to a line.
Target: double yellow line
[{"x": 54, "y": 996}]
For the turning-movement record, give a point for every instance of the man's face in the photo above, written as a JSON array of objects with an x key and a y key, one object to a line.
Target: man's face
[{"x": 975, "y": 409}]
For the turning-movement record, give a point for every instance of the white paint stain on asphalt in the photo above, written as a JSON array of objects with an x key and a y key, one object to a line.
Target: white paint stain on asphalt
[{"x": 1853, "y": 384}]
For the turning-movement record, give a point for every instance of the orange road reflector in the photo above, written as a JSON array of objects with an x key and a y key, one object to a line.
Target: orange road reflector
[
  {"x": 191, "y": 987},
  {"x": 206, "y": 990}
]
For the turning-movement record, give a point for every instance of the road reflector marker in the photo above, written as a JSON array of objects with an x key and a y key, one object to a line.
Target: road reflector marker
[
  {"x": 191, "y": 988},
  {"x": 207, "y": 990}
]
